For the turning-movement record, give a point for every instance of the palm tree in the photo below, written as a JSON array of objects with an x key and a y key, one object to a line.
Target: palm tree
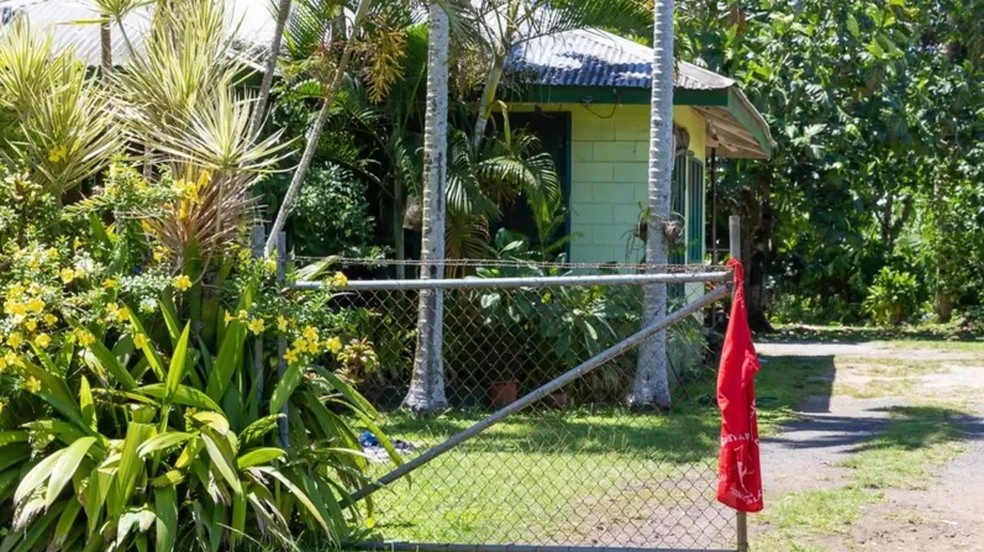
[
  {"x": 651, "y": 386},
  {"x": 426, "y": 392}
]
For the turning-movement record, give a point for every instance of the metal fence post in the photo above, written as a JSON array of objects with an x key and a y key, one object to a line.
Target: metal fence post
[
  {"x": 734, "y": 239},
  {"x": 282, "y": 423},
  {"x": 259, "y": 239}
]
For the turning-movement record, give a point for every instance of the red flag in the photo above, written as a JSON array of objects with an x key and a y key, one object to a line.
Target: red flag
[{"x": 739, "y": 471}]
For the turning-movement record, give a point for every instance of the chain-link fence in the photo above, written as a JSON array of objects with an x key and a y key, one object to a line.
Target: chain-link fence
[{"x": 572, "y": 465}]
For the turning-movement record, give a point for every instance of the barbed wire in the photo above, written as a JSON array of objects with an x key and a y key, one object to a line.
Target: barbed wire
[{"x": 514, "y": 263}]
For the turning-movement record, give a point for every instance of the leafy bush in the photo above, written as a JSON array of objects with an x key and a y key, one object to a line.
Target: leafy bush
[
  {"x": 331, "y": 214},
  {"x": 892, "y": 298},
  {"x": 101, "y": 369}
]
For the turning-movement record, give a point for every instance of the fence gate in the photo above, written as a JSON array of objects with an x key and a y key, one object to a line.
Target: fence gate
[{"x": 538, "y": 449}]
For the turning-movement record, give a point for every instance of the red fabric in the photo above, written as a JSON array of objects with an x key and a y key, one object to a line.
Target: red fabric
[{"x": 739, "y": 472}]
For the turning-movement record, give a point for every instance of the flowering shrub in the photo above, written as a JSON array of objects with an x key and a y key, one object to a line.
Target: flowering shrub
[{"x": 144, "y": 408}]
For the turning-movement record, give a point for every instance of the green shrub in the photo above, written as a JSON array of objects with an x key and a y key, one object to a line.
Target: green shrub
[
  {"x": 331, "y": 214},
  {"x": 892, "y": 298}
]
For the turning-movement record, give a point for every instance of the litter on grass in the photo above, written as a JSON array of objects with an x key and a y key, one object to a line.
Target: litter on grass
[{"x": 374, "y": 450}]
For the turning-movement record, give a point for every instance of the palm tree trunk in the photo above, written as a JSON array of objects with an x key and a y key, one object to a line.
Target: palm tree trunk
[
  {"x": 283, "y": 12},
  {"x": 426, "y": 393},
  {"x": 488, "y": 96},
  {"x": 651, "y": 386},
  {"x": 314, "y": 134}
]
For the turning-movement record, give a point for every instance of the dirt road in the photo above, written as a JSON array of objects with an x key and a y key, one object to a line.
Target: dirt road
[{"x": 833, "y": 475}]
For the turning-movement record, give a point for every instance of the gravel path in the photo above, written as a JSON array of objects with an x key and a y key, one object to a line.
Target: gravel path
[{"x": 808, "y": 453}]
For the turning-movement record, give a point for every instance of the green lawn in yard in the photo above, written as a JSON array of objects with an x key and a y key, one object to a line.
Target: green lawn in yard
[{"x": 580, "y": 475}]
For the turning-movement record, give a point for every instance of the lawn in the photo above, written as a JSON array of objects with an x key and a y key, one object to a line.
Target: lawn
[{"x": 601, "y": 476}]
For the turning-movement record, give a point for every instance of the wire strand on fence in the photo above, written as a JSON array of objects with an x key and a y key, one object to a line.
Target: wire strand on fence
[
  {"x": 514, "y": 263},
  {"x": 522, "y": 282}
]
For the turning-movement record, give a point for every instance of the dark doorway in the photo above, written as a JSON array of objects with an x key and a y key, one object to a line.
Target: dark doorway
[{"x": 554, "y": 132}]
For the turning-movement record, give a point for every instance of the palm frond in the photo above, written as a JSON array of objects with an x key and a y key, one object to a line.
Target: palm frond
[
  {"x": 464, "y": 192},
  {"x": 466, "y": 236}
]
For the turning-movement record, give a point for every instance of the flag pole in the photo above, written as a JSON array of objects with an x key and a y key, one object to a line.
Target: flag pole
[{"x": 734, "y": 249}]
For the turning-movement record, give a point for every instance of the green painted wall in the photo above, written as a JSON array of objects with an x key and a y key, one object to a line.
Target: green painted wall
[{"x": 609, "y": 173}]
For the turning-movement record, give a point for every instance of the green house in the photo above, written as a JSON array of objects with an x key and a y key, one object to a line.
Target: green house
[{"x": 587, "y": 94}]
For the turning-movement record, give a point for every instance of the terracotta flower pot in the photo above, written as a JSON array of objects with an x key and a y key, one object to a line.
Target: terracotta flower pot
[
  {"x": 557, "y": 399},
  {"x": 503, "y": 393}
]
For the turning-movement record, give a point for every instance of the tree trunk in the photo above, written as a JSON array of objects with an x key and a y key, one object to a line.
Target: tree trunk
[
  {"x": 652, "y": 386},
  {"x": 756, "y": 251},
  {"x": 399, "y": 233},
  {"x": 314, "y": 134},
  {"x": 283, "y": 12},
  {"x": 426, "y": 393},
  {"x": 106, "y": 46},
  {"x": 488, "y": 96},
  {"x": 507, "y": 30}
]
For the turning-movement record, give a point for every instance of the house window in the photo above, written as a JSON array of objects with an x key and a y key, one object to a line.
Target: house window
[
  {"x": 695, "y": 212},
  {"x": 687, "y": 204}
]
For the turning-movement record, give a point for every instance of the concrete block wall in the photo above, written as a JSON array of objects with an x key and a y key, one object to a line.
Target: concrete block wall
[{"x": 609, "y": 175}]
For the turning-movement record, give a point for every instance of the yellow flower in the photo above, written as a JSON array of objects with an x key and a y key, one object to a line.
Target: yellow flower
[
  {"x": 182, "y": 283},
  {"x": 77, "y": 243},
  {"x": 3, "y": 364},
  {"x": 229, "y": 318},
  {"x": 79, "y": 273},
  {"x": 160, "y": 253},
  {"x": 31, "y": 325},
  {"x": 36, "y": 305},
  {"x": 42, "y": 340},
  {"x": 290, "y": 356},
  {"x": 339, "y": 280},
  {"x": 14, "y": 308},
  {"x": 34, "y": 288},
  {"x": 257, "y": 326},
  {"x": 122, "y": 314},
  {"x": 312, "y": 347},
  {"x": 67, "y": 275},
  {"x": 32, "y": 384},
  {"x": 57, "y": 154},
  {"x": 85, "y": 338},
  {"x": 15, "y": 340},
  {"x": 16, "y": 290},
  {"x": 52, "y": 253},
  {"x": 10, "y": 358},
  {"x": 140, "y": 341},
  {"x": 243, "y": 315},
  {"x": 334, "y": 345},
  {"x": 281, "y": 323},
  {"x": 50, "y": 319},
  {"x": 109, "y": 283},
  {"x": 310, "y": 333},
  {"x": 270, "y": 265}
]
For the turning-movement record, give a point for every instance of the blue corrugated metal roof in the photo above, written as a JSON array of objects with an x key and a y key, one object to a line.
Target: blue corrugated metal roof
[{"x": 591, "y": 57}]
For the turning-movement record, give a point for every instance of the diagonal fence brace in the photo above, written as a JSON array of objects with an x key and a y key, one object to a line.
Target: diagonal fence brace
[{"x": 573, "y": 374}]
